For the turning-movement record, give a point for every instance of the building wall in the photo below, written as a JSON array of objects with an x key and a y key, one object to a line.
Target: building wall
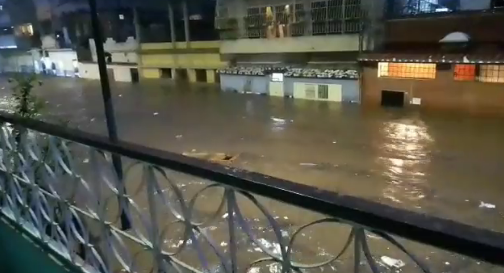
[
  {"x": 121, "y": 52},
  {"x": 260, "y": 85},
  {"x": 64, "y": 60},
  {"x": 346, "y": 42},
  {"x": 196, "y": 55},
  {"x": 16, "y": 61},
  {"x": 350, "y": 88},
  {"x": 441, "y": 93},
  {"x": 244, "y": 83},
  {"x": 122, "y": 74},
  {"x": 89, "y": 71}
]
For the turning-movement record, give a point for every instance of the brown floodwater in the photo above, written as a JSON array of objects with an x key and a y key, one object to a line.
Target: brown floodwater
[{"x": 443, "y": 164}]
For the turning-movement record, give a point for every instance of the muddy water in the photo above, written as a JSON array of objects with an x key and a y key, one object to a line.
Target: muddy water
[{"x": 435, "y": 163}]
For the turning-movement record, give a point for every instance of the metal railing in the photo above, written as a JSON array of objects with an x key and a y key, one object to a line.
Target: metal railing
[
  {"x": 322, "y": 18},
  {"x": 428, "y": 8},
  {"x": 189, "y": 215}
]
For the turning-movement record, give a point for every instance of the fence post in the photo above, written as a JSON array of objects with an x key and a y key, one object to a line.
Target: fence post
[{"x": 109, "y": 109}]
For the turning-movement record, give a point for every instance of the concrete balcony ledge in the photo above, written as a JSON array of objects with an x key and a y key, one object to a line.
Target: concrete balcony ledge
[
  {"x": 329, "y": 43},
  {"x": 17, "y": 247}
]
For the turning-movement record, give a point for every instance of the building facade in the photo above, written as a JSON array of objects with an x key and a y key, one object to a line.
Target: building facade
[
  {"x": 302, "y": 49},
  {"x": 437, "y": 56}
]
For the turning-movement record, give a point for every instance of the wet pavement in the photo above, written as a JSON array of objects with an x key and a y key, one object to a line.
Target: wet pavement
[{"x": 440, "y": 164}]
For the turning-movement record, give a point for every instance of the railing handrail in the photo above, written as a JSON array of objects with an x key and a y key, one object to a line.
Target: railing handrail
[{"x": 460, "y": 238}]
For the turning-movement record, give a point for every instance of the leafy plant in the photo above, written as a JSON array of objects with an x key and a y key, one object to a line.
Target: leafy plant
[{"x": 27, "y": 105}]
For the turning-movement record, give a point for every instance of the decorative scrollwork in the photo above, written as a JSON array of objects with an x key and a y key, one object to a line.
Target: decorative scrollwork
[{"x": 70, "y": 197}]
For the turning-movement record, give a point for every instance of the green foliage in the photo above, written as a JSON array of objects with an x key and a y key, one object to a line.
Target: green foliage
[{"x": 27, "y": 105}]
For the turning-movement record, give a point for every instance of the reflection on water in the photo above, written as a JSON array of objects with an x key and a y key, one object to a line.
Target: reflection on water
[
  {"x": 427, "y": 162},
  {"x": 407, "y": 144}
]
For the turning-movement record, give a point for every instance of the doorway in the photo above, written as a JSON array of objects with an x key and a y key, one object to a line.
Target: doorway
[
  {"x": 201, "y": 75},
  {"x": 134, "y": 75},
  {"x": 181, "y": 74},
  {"x": 166, "y": 73},
  {"x": 392, "y": 98},
  {"x": 276, "y": 89}
]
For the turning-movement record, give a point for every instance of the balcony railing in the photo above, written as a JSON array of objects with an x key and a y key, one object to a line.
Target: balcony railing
[
  {"x": 323, "y": 18},
  {"x": 189, "y": 215},
  {"x": 428, "y": 8}
]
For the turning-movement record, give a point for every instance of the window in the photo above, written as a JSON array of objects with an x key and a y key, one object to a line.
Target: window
[
  {"x": 24, "y": 30},
  {"x": 464, "y": 72},
  {"x": 491, "y": 73},
  {"x": 407, "y": 70},
  {"x": 310, "y": 91},
  {"x": 323, "y": 91},
  {"x": 277, "y": 77}
]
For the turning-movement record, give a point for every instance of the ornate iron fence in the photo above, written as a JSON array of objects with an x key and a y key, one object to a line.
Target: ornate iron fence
[{"x": 189, "y": 215}]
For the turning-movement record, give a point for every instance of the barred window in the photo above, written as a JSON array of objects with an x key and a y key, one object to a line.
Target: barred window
[
  {"x": 464, "y": 72},
  {"x": 407, "y": 70},
  {"x": 323, "y": 91},
  {"x": 491, "y": 73}
]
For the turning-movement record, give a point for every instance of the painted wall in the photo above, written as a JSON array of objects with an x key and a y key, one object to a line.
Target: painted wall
[
  {"x": 350, "y": 88},
  {"x": 16, "y": 248},
  {"x": 17, "y": 62},
  {"x": 163, "y": 55},
  {"x": 442, "y": 93},
  {"x": 64, "y": 60},
  {"x": 260, "y": 84},
  {"x": 122, "y": 74},
  {"x": 180, "y": 45},
  {"x": 89, "y": 71},
  {"x": 346, "y": 42},
  {"x": 121, "y": 52},
  {"x": 243, "y": 83}
]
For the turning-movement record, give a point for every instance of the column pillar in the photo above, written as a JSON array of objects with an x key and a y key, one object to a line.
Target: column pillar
[
  {"x": 172, "y": 26},
  {"x": 186, "y": 23},
  {"x": 191, "y": 75},
  {"x": 138, "y": 34},
  {"x": 174, "y": 73},
  {"x": 210, "y": 75},
  {"x": 240, "y": 12}
]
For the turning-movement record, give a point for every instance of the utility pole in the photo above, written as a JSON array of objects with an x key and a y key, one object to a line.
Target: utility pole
[{"x": 109, "y": 111}]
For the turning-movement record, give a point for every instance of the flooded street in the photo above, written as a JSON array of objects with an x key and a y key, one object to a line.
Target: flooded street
[{"x": 449, "y": 166}]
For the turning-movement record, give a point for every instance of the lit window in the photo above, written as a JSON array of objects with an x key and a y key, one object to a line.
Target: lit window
[
  {"x": 407, "y": 70},
  {"x": 491, "y": 73},
  {"x": 277, "y": 77},
  {"x": 24, "y": 30},
  {"x": 464, "y": 72}
]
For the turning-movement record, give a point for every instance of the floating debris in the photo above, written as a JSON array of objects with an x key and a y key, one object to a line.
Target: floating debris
[
  {"x": 447, "y": 263},
  {"x": 308, "y": 164},
  {"x": 85, "y": 160},
  {"x": 334, "y": 142},
  {"x": 93, "y": 119},
  {"x": 178, "y": 136},
  {"x": 254, "y": 270},
  {"x": 223, "y": 244},
  {"x": 225, "y": 215},
  {"x": 392, "y": 262},
  {"x": 279, "y": 120},
  {"x": 486, "y": 205},
  {"x": 156, "y": 113},
  {"x": 120, "y": 95}
]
